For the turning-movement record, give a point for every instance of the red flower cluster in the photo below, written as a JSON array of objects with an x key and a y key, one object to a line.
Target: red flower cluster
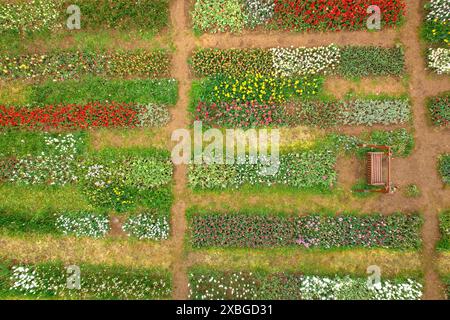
[
  {"x": 71, "y": 116},
  {"x": 239, "y": 115},
  {"x": 334, "y": 14}
]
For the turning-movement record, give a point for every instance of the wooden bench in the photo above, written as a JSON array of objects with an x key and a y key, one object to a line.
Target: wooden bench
[{"x": 375, "y": 168}]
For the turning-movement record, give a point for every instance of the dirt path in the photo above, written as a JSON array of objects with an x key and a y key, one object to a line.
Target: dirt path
[
  {"x": 419, "y": 169},
  {"x": 430, "y": 144},
  {"x": 184, "y": 45}
]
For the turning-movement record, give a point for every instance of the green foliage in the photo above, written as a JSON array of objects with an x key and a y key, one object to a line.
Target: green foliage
[
  {"x": 161, "y": 91},
  {"x": 218, "y": 16},
  {"x": 117, "y": 179},
  {"x": 39, "y": 198},
  {"x": 362, "y": 190},
  {"x": 257, "y": 87},
  {"x": 76, "y": 223},
  {"x": 148, "y": 226},
  {"x": 252, "y": 230},
  {"x": 28, "y": 16},
  {"x": 23, "y": 143},
  {"x": 435, "y": 31},
  {"x": 300, "y": 170},
  {"x": 55, "y": 165},
  {"x": 412, "y": 191},
  {"x": 233, "y": 62},
  {"x": 436, "y": 28},
  {"x": 148, "y": 15},
  {"x": 206, "y": 284},
  {"x": 444, "y": 226},
  {"x": 375, "y": 111},
  {"x": 357, "y": 62},
  {"x": 439, "y": 108},
  {"x": 349, "y": 61},
  {"x": 75, "y": 64},
  {"x": 125, "y": 179},
  {"x": 83, "y": 224},
  {"x": 401, "y": 141},
  {"x": 49, "y": 280},
  {"x": 25, "y": 223},
  {"x": 444, "y": 168},
  {"x": 38, "y": 16}
]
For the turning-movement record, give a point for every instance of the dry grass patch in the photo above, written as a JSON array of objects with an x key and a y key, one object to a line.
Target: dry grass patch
[
  {"x": 392, "y": 263},
  {"x": 339, "y": 87},
  {"x": 14, "y": 93},
  {"x": 338, "y": 200},
  {"x": 444, "y": 263},
  {"x": 34, "y": 249},
  {"x": 128, "y": 138}
]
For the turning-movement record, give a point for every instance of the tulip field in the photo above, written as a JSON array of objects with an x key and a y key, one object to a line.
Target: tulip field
[{"x": 95, "y": 205}]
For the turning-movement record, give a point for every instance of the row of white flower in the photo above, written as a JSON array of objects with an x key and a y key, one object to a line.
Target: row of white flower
[
  {"x": 439, "y": 10},
  {"x": 439, "y": 60},
  {"x": 53, "y": 281},
  {"x": 28, "y": 16},
  {"x": 145, "y": 226},
  {"x": 52, "y": 166},
  {"x": 342, "y": 288},
  {"x": 241, "y": 285},
  {"x": 292, "y": 61},
  {"x": 83, "y": 225}
]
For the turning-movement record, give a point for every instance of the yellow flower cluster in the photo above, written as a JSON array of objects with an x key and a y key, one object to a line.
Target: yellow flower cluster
[{"x": 263, "y": 88}]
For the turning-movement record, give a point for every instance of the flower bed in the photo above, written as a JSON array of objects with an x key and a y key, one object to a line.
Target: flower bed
[
  {"x": 148, "y": 226},
  {"x": 49, "y": 280},
  {"x": 123, "y": 181},
  {"x": 69, "y": 65},
  {"x": 35, "y": 15},
  {"x": 55, "y": 165},
  {"x": 83, "y": 224},
  {"x": 437, "y": 27},
  {"x": 335, "y": 15},
  {"x": 143, "y": 15},
  {"x": 396, "y": 231},
  {"x": 440, "y": 110},
  {"x": 256, "y": 87},
  {"x": 299, "y": 15},
  {"x": 323, "y": 114},
  {"x": 112, "y": 179},
  {"x": 76, "y": 223},
  {"x": 50, "y": 15},
  {"x": 91, "y": 115},
  {"x": 401, "y": 141},
  {"x": 444, "y": 226},
  {"x": 216, "y": 285},
  {"x": 349, "y": 61},
  {"x": 359, "y": 62},
  {"x": 300, "y": 170},
  {"x": 439, "y": 60},
  {"x": 444, "y": 168}
]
